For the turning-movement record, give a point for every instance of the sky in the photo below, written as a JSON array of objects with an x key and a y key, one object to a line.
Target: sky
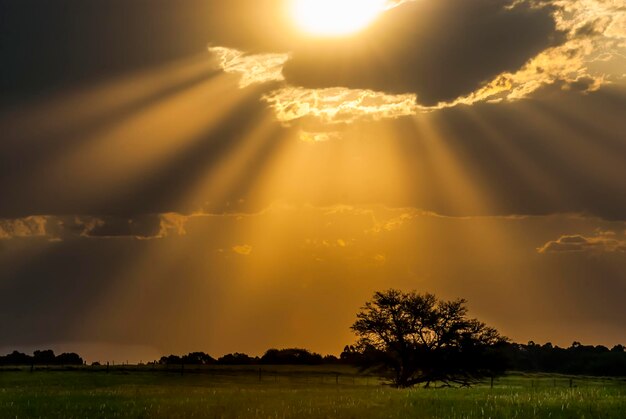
[{"x": 215, "y": 176}]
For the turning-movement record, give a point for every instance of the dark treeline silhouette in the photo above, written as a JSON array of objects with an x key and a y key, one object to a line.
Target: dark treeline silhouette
[
  {"x": 290, "y": 356},
  {"x": 578, "y": 359},
  {"x": 46, "y": 357},
  {"x": 193, "y": 358}
]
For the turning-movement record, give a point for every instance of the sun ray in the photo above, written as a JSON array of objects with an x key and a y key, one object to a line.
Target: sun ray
[{"x": 116, "y": 157}]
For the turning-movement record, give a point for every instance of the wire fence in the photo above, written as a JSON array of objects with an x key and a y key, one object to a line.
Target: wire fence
[{"x": 313, "y": 375}]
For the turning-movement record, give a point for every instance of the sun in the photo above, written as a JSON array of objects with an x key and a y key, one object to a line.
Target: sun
[{"x": 334, "y": 17}]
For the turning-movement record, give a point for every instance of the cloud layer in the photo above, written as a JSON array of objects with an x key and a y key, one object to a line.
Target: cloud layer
[
  {"x": 606, "y": 241},
  {"x": 438, "y": 50}
]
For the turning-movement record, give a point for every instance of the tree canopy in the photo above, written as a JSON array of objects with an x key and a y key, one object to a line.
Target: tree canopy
[{"x": 422, "y": 340}]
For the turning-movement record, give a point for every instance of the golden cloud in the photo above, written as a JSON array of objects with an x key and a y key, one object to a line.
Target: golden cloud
[
  {"x": 243, "y": 249},
  {"x": 603, "y": 242},
  {"x": 253, "y": 69},
  {"x": 338, "y": 105},
  {"x": 35, "y": 226}
]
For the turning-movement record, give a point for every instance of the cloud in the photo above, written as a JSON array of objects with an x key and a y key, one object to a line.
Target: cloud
[
  {"x": 337, "y": 105},
  {"x": 380, "y": 259},
  {"x": 58, "y": 228},
  {"x": 425, "y": 56},
  {"x": 591, "y": 35},
  {"x": 438, "y": 50},
  {"x": 603, "y": 242},
  {"x": 253, "y": 69},
  {"x": 28, "y": 227},
  {"x": 243, "y": 249},
  {"x": 396, "y": 222},
  {"x": 318, "y": 137},
  {"x": 141, "y": 227}
]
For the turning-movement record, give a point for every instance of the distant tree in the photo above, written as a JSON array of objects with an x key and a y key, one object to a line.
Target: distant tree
[
  {"x": 197, "y": 358},
  {"x": 171, "y": 360},
  {"x": 46, "y": 357},
  {"x": 423, "y": 340},
  {"x": 330, "y": 359},
  {"x": 69, "y": 359},
  {"x": 350, "y": 355},
  {"x": 237, "y": 359},
  {"x": 293, "y": 356},
  {"x": 16, "y": 358}
]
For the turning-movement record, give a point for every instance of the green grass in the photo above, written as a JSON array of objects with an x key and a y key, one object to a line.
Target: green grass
[{"x": 289, "y": 392}]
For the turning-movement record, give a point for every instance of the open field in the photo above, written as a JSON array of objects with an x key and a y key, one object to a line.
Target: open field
[{"x": 293, "y": 392}]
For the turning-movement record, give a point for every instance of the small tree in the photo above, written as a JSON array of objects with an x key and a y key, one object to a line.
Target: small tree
[{"x": 423, "y": 340}]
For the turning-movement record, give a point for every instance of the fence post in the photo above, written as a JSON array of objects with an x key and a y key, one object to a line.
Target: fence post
[
  {"x": 260, "y": 374},
  {"x": 571, "y": 383},
  {"x": 492, "y": 381}
]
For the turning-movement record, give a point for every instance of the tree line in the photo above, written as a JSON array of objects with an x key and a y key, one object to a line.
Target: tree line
[
  {"x": 577, "y": 359},
  {"x": 291, "y": 356},
  {"x": 45, "y": 357}
]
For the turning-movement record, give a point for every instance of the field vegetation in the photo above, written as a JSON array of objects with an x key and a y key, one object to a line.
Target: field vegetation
[{"x": 292, "y": 392}]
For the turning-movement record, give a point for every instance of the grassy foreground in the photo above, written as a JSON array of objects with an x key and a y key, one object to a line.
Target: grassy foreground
[{"x": 294, "y": 393}]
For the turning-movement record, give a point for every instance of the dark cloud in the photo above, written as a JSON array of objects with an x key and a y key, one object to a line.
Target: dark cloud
[
  {"x": 144, "y": 227},
  {"x": 438, "y": 49},
  {"x": 60, "y": 228},
  {"x": 602, "y": 242}
]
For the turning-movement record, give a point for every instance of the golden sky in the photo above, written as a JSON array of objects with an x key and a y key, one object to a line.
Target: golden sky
[{"x": 225, "y": 176}]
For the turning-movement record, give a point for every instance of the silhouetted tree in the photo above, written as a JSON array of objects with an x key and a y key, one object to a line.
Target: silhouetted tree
[
  {"x": 69, "y": 359},
  {"x": 16, "y": 358},
  {"x": 423, "y": 340},
  {"x": 198, "y": 358},
  {"x": 171, "y": 360},
  {"x": 330, "y": 359},
  {"x": 44, "y": 357},
  {"x": 237, "y": 359},
  {"x": 292, "y": 356}
]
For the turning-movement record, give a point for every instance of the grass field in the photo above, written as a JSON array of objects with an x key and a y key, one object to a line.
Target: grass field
[{"x": 293, "y": 392}]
